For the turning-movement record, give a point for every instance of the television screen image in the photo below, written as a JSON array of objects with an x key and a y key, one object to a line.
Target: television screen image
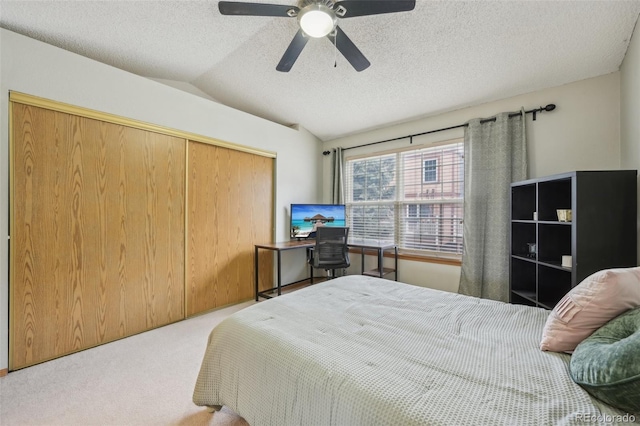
[{"x": 305, "y": 218}]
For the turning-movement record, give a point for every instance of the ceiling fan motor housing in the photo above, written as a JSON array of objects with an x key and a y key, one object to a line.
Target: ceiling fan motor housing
[{"x": 317, "y": 19}]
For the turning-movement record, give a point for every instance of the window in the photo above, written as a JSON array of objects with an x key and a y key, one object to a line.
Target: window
[
  {"x": 430, "y": 170},
  {"x": 411, "y": 196}
]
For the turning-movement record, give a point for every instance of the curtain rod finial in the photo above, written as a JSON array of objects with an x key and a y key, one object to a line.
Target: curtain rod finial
[
  {"x": 326, "y": 152},
  {"x": 550, "y": 107}
]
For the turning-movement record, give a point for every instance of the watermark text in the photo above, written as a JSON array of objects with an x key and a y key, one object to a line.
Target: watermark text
[{"x": 605, "y": 418}]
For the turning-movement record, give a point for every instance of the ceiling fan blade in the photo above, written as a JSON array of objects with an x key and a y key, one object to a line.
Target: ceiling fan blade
[
  {"x": 349, "y": 50},
  {"x": 293, "y": 51},
  {"x": 372, "y": 7},
  {"x": 257, "y": 9}
]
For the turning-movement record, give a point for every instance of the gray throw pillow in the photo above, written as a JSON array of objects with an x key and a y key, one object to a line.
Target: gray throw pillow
[{"x": 607, "y": 363}]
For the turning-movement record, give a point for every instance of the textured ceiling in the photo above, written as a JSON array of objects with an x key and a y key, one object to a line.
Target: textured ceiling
[{"x": 442, "y": 56}]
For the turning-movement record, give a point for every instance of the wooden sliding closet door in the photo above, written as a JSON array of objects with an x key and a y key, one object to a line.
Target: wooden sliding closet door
[
  {"x": 230, "y": 209},
  {"x": 98, "y": 233}
]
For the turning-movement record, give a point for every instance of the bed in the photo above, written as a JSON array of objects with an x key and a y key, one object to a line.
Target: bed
[{"x": 359, "y": 350}]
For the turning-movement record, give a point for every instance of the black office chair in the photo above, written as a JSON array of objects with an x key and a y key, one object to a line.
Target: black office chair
[{"x": 331, "y": 251}]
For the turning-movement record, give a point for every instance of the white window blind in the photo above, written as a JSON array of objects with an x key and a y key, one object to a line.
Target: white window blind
[
  {"x": 413, "y": 197},
  {"x": 371, "y": 195}
]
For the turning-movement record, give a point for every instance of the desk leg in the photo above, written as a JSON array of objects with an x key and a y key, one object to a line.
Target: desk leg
[
  {"x": 380, "y": 261},
  {"x": 396, "y": 257},
  {"x": 310, "y": 261},
  {"x": 279, "y": 275},
  {"x": 256, "y": 263},
  {"x": 362, "y": 263}
]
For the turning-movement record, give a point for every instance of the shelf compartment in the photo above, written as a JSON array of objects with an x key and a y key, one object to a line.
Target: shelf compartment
[
  {"x": 523, "y": 202},
  {"x": 522, "y": 234},
  {"x": 554, "y": 241},
  {"x": 523, "y": 276},
  {"x": 554, "y": 195}
]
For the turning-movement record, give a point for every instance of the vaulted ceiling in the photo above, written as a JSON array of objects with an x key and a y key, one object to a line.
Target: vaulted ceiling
[{"x": 442, "y": 56}]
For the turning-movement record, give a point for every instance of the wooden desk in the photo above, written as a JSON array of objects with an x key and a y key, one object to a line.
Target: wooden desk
[{"x": 362, "y": 244}]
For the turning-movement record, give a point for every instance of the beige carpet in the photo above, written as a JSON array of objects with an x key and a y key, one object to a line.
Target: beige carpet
[{"x": 146, "y": 379}]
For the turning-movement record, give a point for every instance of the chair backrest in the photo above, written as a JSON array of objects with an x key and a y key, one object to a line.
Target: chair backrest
[{"x": 331, "y": 250}]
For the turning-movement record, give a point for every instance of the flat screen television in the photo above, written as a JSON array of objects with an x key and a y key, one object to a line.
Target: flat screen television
[{"x": 306, "y": 217}]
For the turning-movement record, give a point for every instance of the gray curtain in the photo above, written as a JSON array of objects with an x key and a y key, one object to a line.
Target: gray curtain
[
  {"x": 495, "y": 155},
  {"x": 337, "y": 191}
]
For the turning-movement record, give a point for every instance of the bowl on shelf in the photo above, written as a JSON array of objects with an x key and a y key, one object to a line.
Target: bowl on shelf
[{"x": 564, "y": 215}]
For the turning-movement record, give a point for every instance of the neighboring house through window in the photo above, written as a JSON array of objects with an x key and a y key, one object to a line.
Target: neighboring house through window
[{"x": 413, "y": 197}]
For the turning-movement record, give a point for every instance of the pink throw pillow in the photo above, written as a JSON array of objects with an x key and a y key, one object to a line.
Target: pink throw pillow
[{"x": 598, "y": 299}]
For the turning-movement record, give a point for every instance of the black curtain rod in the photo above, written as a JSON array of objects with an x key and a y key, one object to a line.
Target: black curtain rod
[{"x": 549, "y": 107}]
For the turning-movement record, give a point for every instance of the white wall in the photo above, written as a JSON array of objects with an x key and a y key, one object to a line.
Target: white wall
[
  {"x": 38, "y": 69},
  {"x": 583, "y": 133},
  {"x": 185, "y": 87},
  {"x": 630, "y": 109}
]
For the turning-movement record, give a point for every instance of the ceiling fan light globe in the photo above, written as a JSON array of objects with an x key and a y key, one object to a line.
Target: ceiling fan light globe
[{"x": 317, "y": 22}]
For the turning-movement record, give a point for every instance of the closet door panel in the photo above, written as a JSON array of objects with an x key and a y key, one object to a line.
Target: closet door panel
[
  {"x": 230, "y": 209},
  {"x": 98, "y": 233},
  {"x": 149, "y": 223},
  {"x": 39, "y": 300}
]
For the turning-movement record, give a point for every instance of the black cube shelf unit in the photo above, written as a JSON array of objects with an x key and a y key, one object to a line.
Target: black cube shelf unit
[{"x": 601, "y": 234}]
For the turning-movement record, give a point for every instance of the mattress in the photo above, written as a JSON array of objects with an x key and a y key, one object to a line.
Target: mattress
[{"x": 360, "y": 350}]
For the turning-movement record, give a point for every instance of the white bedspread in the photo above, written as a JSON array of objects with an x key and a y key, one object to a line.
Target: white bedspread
[{"x": 365, "y": 351}]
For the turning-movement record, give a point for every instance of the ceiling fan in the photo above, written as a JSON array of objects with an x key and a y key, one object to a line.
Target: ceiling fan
[{"x": 319, "y": 18}]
